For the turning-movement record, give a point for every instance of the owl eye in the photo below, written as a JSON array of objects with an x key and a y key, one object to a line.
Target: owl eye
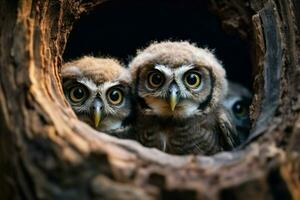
[
  {"x": 192, "y": 79},
  {"x": 115, "y": 96},
  {"x": 240, "y": 110},
  {"x": 78, "y": 94},
  {"x": 155, "y": 79}
]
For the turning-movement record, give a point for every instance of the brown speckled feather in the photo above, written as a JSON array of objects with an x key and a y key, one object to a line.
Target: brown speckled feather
[
  {"x": 100, "y": 70},
  {"x": 197, "y": 135}
]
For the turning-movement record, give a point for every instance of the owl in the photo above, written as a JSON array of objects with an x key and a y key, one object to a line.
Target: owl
[
  {"x": 98, "y": 90},
  {"x": 179, "y": 89},
  {"x": 237, "y": 102}
]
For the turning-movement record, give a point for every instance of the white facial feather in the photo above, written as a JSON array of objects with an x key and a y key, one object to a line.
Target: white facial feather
[
  {"x": 99, "y": 90},
  {"x": 108, "y": 123},
  {"x": 184, "y": 108},
  {"x": 156, "y": 100}
]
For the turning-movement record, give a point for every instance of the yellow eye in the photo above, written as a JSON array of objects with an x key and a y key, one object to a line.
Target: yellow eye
[
  {"x": 78, "y": 94},
  {"x": 115, "y": 96},
  {"x": 155, "y": 79},
  {"x": 240, "y": 110},
  {"x": 192, "y": 79}
]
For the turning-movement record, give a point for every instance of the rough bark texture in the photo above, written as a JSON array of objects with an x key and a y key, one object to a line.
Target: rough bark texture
[{"x": 46, "y": 153}]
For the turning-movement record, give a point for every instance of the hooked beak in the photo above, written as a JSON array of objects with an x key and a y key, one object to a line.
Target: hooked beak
[
  {"x": 173, "y": 97},
  {"x": 97, "y": 112}
]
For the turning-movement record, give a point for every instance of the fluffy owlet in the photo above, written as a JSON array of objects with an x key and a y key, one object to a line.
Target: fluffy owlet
[
  {"x": 237, "y": 102},
  {"x": 98, "y": 91},
  {"x": 179, "y": 89}
]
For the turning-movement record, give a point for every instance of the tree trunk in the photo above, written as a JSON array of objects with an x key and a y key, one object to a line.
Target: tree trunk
[{"x": 46, "y": 153}]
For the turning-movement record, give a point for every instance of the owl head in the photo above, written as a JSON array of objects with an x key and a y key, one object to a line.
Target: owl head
[
  {"x": 98, "y": 91},
  {"x": 237, "y": 102},
  {"x": 177, "y": 79}
]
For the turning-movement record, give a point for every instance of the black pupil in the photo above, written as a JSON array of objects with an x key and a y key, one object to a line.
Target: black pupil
[
  {"x": 156, "y": 79},
  {"x": 191, "y": 79},
  {"x": 114, "y": 95},
  {"x": 78, "y": 93},
  {"x": 239, "y": 108}
]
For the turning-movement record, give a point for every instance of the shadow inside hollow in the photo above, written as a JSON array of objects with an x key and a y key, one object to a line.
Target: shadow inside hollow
[{"x": 118, "y": 28}]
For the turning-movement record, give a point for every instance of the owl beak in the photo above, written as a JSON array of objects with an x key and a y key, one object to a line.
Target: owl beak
[
  {"x": 97, "y": 112},
  {"x": 173, "y": 96}
]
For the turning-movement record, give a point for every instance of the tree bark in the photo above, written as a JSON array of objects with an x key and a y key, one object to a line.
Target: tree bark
[{"x": 46, "y": 153}]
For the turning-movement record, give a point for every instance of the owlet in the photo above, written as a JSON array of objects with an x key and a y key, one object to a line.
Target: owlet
[
  {"x": 179, "y": 89},
  {"x": 98, "y": 89}
]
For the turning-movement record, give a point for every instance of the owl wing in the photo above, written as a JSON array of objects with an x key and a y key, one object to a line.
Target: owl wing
[{"x": 229, "y": 134}]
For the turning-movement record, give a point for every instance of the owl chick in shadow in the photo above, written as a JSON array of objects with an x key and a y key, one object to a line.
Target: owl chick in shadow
[
  {"x": 237, "y": 102},
  {"x": 179, "y": 89},
  {"x": 98, "y": 90}
]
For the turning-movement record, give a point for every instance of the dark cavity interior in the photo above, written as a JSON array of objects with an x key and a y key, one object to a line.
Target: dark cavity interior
[{"x": 118, "y": 28}]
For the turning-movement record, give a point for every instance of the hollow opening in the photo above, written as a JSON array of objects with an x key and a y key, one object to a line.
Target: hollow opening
[{"x": 118, "y": 28}]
